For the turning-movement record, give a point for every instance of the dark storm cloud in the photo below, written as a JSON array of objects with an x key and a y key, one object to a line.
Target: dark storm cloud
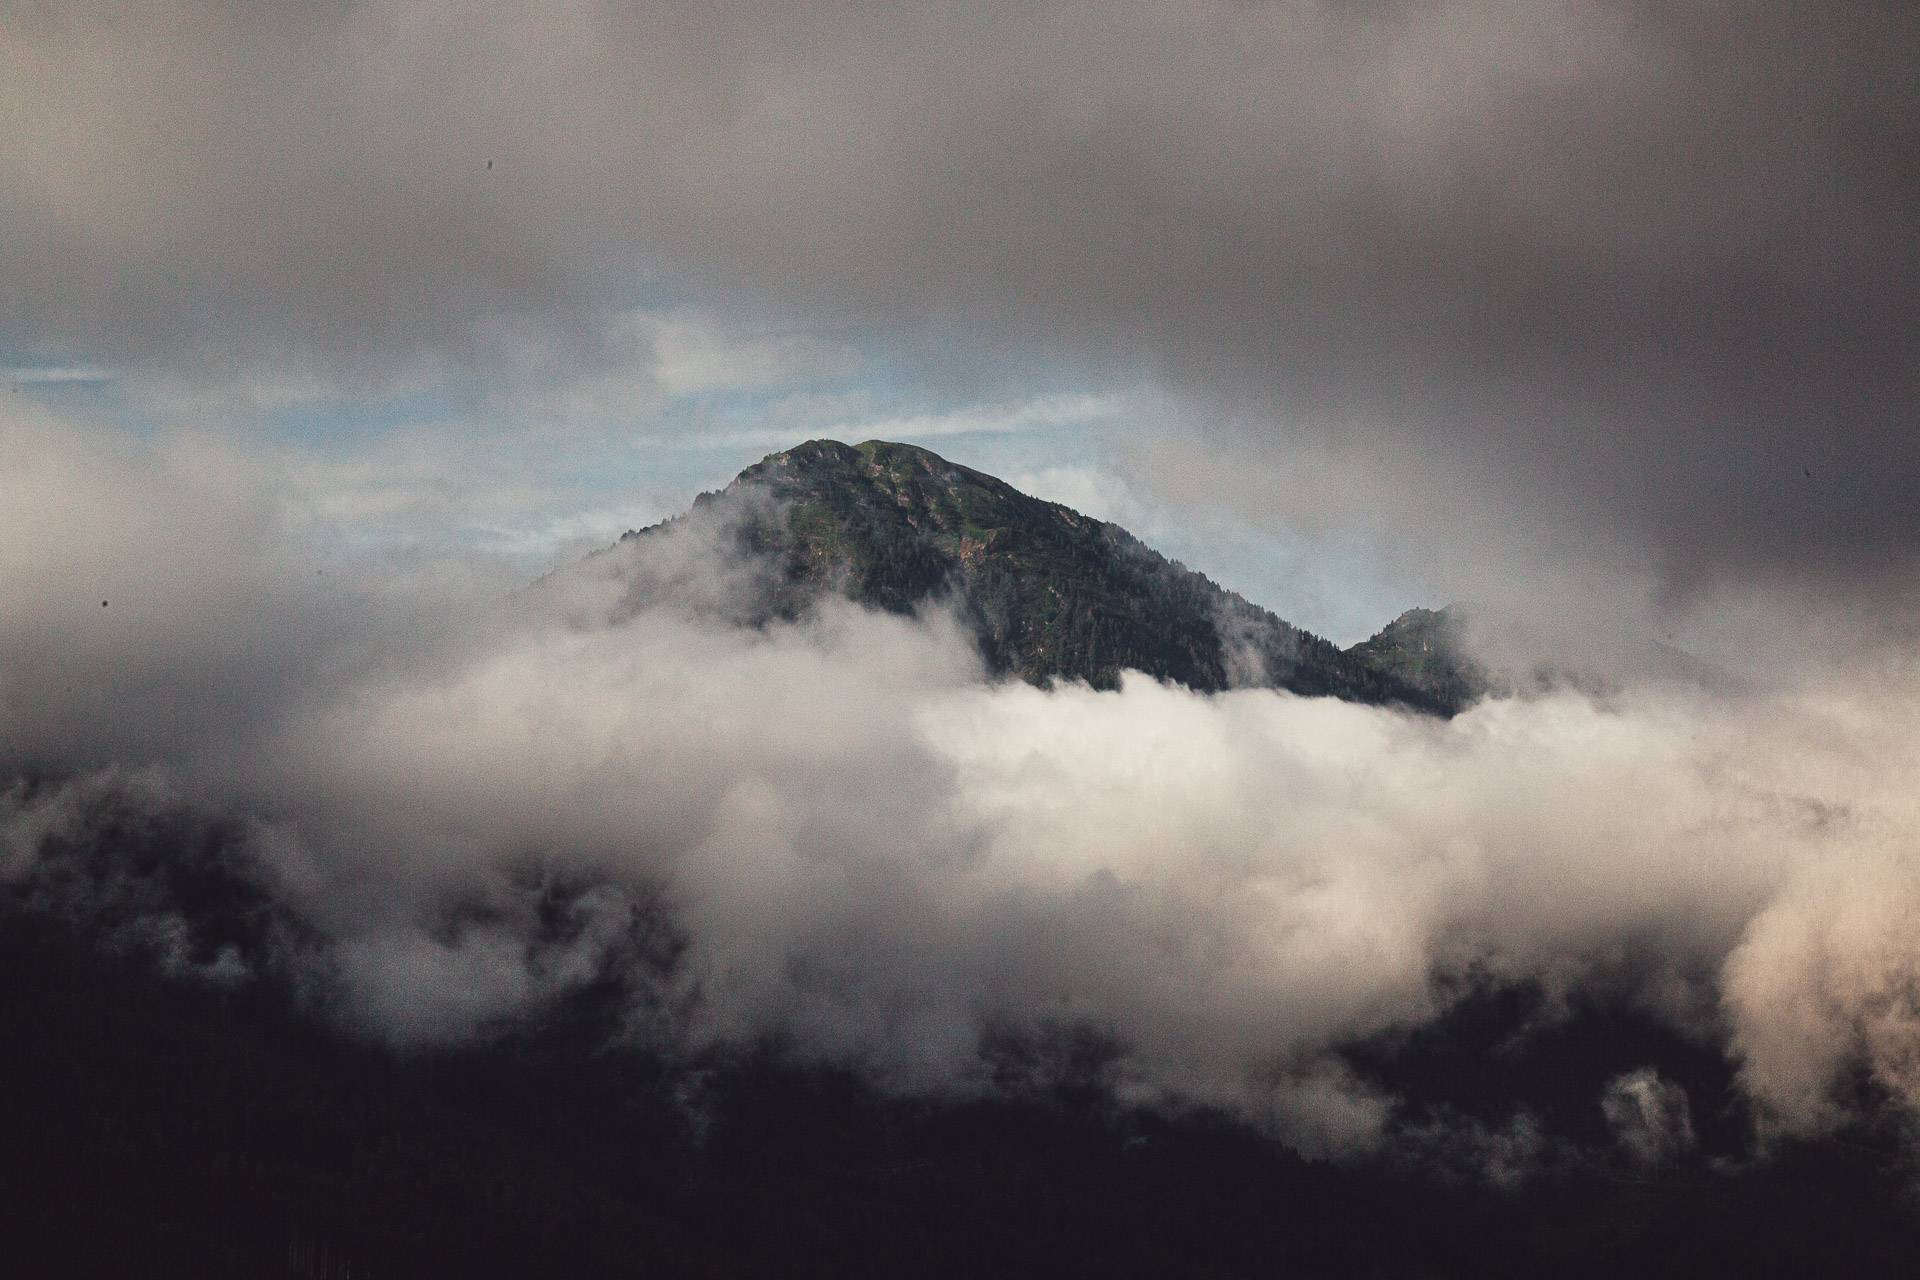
[{"x": 1637, "y": 279}]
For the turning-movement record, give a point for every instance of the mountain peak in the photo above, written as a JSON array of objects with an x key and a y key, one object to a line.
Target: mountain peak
[
  {"x": 1426, "y": 648},
  {"x": 1048, "y": 592},
  {"x": 885, "y": 463}
]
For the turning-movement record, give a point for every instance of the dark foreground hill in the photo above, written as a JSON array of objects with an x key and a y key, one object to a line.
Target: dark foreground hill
[
  {"x": 169, "y": 1115},
  {"x": 161, "y": 1127},
  {"x": 1048, "y": 593}
]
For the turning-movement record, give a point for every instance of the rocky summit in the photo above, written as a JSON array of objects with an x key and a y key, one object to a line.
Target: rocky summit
[{"x": 1049, "y": 593}]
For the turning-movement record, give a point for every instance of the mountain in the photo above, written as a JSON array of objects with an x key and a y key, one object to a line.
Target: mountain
[
  {"x": 1049, "y": 593},
  {"x": 1426, "y": 649}
]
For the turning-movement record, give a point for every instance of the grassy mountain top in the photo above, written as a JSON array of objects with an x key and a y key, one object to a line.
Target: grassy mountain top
[{"x": 1050, "y": 593}]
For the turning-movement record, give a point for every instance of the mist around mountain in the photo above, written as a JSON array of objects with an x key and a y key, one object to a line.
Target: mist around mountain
[
  {"x": 1048, "y": 594},
  {"x": 174, "y": 1108},
  {"x": 684, "y": 914},
  {"x": 874, "y": 871},
  {"x": 178, "y": 1115}
]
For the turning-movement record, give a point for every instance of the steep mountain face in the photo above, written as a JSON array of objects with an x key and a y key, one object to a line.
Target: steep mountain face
[
  {"x": 1426, "y": 649},
  {"x": 1049, "y": 593}
]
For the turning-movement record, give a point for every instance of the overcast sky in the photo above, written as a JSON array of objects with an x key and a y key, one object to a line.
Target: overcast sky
[
  {"x": 1606, "y": 308},
  {"x": 326, "y": 326}
]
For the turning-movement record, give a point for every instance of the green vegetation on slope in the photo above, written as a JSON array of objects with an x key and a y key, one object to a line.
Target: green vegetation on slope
[
  {"x": 1426, "y": 648},
  {"x": 1050, "y": 593}
]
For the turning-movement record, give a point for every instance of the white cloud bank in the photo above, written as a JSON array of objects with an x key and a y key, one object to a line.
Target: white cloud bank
[{"x": 874, "y": 854}]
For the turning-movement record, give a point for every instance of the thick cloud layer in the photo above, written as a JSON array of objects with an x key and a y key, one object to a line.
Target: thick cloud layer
[
  {"x": 1621, "y": 292},
  {"x": 473, "y": 801}
]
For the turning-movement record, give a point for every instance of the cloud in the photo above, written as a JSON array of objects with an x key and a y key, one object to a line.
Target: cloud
[
  {"x": 1611, "y": 301},
  {"x": 1651, "y": 1117},
  {"x": 430, "y": 486},
  {"x": 1826, "y": 984},
  {"x": 697, "y": 355},
  {"x": 1038, "y": 414},
  {"x": 56, "y": 375},
  {"x": 474, "y": 797}
]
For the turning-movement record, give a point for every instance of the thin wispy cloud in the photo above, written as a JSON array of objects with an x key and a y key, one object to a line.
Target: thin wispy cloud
[
  {"x": 1035, "y": 416},
  {"x": 1042, "y": 414},
  {"x": 57, "y": 375}
]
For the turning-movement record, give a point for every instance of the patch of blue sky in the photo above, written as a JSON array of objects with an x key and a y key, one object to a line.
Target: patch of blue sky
[
  {"x": 43, "y": 370},
  {"x": 344, "y": 423},
  {"x": 71, "y": 385}
]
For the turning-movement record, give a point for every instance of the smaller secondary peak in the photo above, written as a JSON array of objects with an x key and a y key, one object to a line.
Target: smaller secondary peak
[{"x": 1427, "y": 648}]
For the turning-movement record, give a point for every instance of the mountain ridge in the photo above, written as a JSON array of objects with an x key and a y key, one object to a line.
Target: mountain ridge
[{"x": 1048, "y": 592}]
